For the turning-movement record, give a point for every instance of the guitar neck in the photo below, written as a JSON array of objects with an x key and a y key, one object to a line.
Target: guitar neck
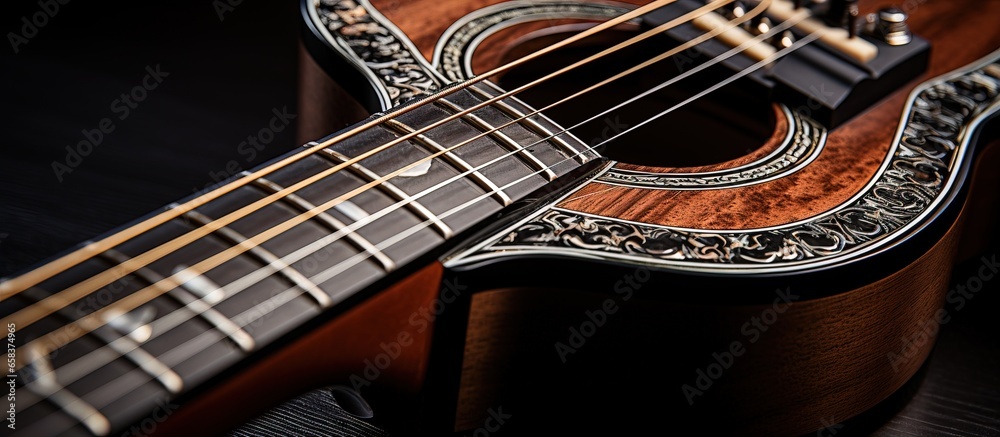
[{"x": 130, "y": 324}]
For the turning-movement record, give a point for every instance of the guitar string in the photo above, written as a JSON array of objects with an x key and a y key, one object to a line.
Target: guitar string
[
  {"x": 291, "y": 293},
  {"x": 77, "y": 291},
  {"x": 18, "y": 284}
]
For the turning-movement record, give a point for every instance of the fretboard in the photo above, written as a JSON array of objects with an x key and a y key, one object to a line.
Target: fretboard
[{"x": 162, "y": 326}]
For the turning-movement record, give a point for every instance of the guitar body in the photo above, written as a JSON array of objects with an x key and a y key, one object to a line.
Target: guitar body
[
  {"x": 734, "y": 266},
  {"x": 802, "y": 266}
]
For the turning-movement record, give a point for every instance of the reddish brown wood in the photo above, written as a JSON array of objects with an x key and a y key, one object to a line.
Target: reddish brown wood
[{"x": 327, "y": 355}]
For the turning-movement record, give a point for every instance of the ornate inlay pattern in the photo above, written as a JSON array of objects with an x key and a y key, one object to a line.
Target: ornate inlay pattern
[
  {"x": 918, "y": 174},
  {"x": 801, "y": 147},
  {"x": 461, "y": 39},
  {"x": 379, "y": 47},
  {"x": 564, "y": 228}
]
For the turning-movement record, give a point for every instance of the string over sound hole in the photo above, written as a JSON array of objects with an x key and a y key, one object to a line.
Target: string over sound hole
[{"x": 727, "y": 124}]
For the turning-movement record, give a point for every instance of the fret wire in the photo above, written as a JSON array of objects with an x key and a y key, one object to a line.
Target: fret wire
[
  {"x": 148, "y": 293},
  {"x": 60, "y": 299},
  {"x": 49, "y": 389},
  {"x": 457, "y": 162},
  {"x": 207, "y": 338},
  {"x": 588, "y": 149},
  {"x": 531, "y": 124},
  {"x": 203, "y": 309},
  {"x": 502, "y": 139},
  {"x": 45, "y": 385},
  {"x": 129, "y": 350},
  {"x": 330, "y": 223},
  {"x": 394, "y": 192},
  {"x": 268, "y": 258},
  {"x": 15, "y": 285}
]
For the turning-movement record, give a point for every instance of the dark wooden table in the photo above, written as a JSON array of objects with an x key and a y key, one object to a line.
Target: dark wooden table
[{"x": 225, "y": 77}]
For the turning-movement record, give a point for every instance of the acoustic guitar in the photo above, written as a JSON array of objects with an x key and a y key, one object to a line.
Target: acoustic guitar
[{"x": 556, "y": 216}]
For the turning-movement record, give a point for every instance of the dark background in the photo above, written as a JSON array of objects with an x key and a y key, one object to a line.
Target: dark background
[{"x": 225, "y": 78}]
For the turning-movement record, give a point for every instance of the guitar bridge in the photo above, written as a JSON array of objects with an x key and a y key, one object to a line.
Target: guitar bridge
[{"x": 819, "y": 80}]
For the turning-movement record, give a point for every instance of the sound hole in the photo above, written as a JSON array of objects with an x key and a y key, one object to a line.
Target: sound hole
[{"x": 724, "y": 125}]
